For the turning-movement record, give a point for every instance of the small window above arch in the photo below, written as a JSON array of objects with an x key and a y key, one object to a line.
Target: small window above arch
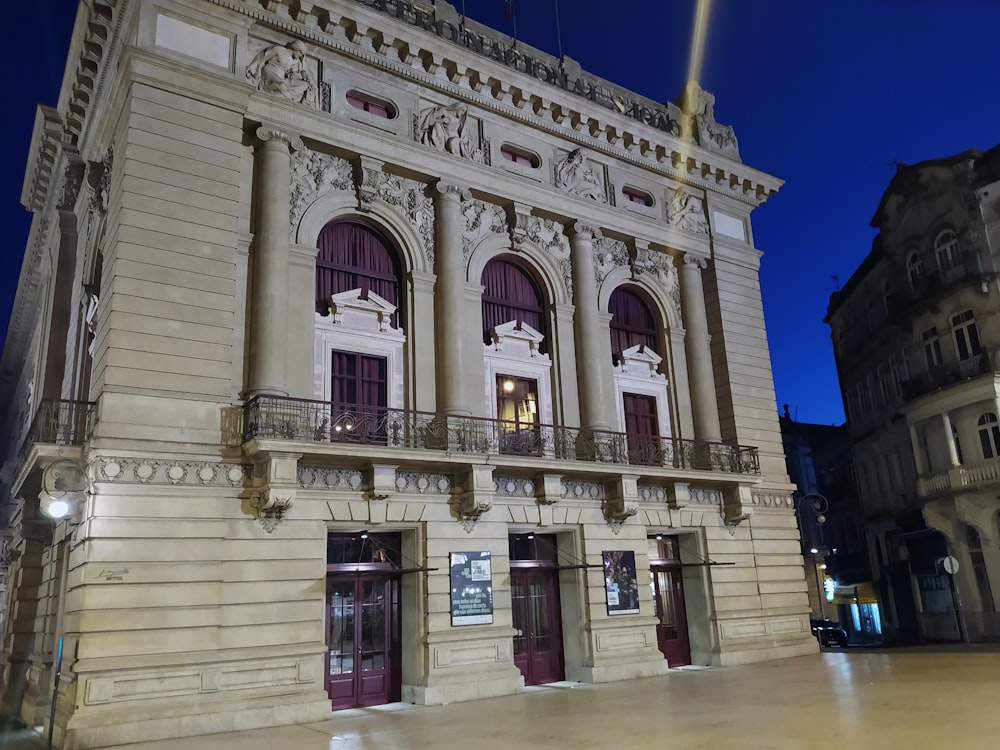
[
  {"x": 635, "y": 195},
  {"x": 371, "y": 104},
  {"x": 947, "y": 250},
  {"x": 915, "y": 269},
  {"x": 521, "y": 156}
]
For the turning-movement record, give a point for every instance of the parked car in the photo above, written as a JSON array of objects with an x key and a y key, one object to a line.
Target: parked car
[{"x": 828, "y": 632}]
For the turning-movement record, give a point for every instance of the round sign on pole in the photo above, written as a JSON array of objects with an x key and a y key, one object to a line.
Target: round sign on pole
[{"x": 950, "y": 564}]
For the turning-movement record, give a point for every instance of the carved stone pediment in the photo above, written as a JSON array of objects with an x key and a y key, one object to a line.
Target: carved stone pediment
[
  {"x": 639, "y": 360},
  {"x": 517, "y": 336},
  {"x": 361, "y": 309}
]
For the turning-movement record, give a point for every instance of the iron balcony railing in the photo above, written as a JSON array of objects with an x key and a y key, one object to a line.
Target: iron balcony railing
[
  {"x": 59, "y": 423},
  {"x": 281, "y": 418}
]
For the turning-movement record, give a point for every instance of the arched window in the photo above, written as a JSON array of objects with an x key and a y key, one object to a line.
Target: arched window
[
  {"x": 947, "y": 251},
  {"x": 352, "y": 255},
  {"x": 632, "y": 321},
  {"x": 915, "y": 269},
  {"x": 510, "y": 293},
  {"x": 989, "y": 435}
]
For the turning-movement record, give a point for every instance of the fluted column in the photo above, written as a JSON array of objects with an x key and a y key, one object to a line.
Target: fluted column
[
  {"x": 593, "y": 352},
  {"x": 704, "y": 401},
  {"x": 271, "y": 259},
  {"x": 450, "y": 324}
]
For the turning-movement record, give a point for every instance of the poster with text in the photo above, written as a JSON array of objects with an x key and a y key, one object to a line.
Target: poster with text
[
  {"x": 471, "y": 588},
  {"x": 620, "y": 582}
]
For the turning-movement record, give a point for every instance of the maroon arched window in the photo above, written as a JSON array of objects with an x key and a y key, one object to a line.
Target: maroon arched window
[
  {"x": 632, "y": 321},
  {"x": 509, "y": 293},
  {"x": 352, "y": 255}
]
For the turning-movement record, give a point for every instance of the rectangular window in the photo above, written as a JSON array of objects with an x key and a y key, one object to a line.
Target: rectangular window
[
  {"x": 932, "y": 348},
  {"x": 966, "y": 335}
]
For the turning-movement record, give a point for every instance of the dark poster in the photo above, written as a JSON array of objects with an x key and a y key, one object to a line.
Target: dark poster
[
  {"x": 620, "y": 582},
  {"x": 471, "y": 588}
]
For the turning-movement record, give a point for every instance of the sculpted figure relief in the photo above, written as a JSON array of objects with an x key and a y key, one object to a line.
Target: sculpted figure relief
[
  {"x": 711, "y": 134},
  {"x": 282, "y": 70},
  {"x": 574, "y": 174},
  {"x": 444, "y": 129},
  {"x": 687, "y": 212}
]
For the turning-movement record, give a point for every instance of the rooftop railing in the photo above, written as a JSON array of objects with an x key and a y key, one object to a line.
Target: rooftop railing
[{"x": 281, "y": 418}]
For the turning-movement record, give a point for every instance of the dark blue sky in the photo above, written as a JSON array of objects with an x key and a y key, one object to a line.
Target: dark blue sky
[{"x": 827, "y": 95}]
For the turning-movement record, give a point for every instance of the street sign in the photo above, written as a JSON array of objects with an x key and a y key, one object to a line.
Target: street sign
[{"x": 950, "y": 564}]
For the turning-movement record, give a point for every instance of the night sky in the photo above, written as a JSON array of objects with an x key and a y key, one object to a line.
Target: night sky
[{"x": 828, "y": 95}]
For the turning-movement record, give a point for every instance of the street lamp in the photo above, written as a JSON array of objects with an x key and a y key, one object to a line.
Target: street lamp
[{"x": 820, "y": 505}]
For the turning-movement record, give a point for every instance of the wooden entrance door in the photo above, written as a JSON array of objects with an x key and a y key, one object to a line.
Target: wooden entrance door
[
  {"x": 363, "y": 624},
  {"x": 668, "y": 600},
  {"x": 538, "y": 649}
]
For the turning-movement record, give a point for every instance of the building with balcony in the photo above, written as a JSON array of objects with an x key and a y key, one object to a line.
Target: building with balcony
[
  {"x": 361, "y": 356},
  {"x": 916, "y": 335}
]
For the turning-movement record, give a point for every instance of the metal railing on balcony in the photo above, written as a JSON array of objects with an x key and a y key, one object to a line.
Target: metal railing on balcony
[
  {"x": 942, "y": 377},
  {"x": 59, "y": 423},
  {"x": 281, "y": 418}
]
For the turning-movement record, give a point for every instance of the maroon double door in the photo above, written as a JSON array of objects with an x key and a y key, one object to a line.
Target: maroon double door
[
  {"x": 363, "y": 638},
  {"x": 671, "y": 617},
  {"x": 537, "y": 620}
]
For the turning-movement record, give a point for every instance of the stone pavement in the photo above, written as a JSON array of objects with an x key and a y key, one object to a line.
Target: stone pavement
[{"x": 900, "y": 699}]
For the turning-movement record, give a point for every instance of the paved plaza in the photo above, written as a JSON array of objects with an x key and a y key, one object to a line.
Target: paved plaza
[{"x": 899, "y": 699}]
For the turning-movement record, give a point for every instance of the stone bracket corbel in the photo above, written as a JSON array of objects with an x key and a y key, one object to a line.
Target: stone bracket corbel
[
  {"x": 621, "y": 501},
  {"x": 737, "y": 506},
  {"x": 472, "y": 496},
  {"x": 380, "y": 485},
  {"x": 270, "y": 506},
  {"x": 368, "y": 178}
]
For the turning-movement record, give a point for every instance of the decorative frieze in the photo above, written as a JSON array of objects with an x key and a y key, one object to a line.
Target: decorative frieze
[
  {"x": 314, "y": 174},
  {"x": 170, "y": 472},
  {"x": 773, "y": 499},
  {"x": 423, "y": 484},
  {"x": 482, "y": 220},
  {"x": 513, "y": 487},
  {"x": 318, "y": 477},
  {"x": 582, "y": 490},
  {"x": 705, "y": 496},
  {"x": 650, "y": 494}
]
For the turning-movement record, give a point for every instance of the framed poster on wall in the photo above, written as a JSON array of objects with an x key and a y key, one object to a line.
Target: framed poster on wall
[
  {"x": 471, "y": 588},
  {"x": 620, "y": 582}
]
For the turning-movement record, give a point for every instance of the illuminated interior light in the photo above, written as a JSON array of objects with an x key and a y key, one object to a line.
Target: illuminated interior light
[{"x": 508, "y": 386}]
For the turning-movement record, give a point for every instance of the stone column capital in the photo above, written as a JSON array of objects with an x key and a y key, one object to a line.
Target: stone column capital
[
  {"x": 691, "y": 259},
  {"x": 582, "y": 227},
  {"x": 268, "y": 133},
  {"x": 448, "y": 188}
]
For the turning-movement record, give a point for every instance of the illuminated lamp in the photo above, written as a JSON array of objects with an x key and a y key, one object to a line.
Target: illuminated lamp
[{"x": 64, "y": 487}]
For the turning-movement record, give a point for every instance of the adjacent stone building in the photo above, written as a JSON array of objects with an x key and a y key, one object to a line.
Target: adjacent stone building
[
  {"x": 361, "y": 356},
  {"x": 916, "y": 334}
]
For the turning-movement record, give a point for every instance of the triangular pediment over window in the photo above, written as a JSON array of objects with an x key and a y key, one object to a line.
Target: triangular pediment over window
[
  {"x": 361, "y": 309},
  {"x": 518, "y": 336},
  {"x": 639, "y": 360}
]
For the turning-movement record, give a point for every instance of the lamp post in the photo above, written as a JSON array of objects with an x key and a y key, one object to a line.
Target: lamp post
[{"x": 820, "y": 505}]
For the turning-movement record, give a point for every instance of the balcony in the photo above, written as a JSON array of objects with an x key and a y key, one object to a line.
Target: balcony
[
  {"x": 966, "y": 476},
  {"x": 299, "y": 420},
  {"x": 59, "y": 423},
  {"x": 943, "y": 377}
]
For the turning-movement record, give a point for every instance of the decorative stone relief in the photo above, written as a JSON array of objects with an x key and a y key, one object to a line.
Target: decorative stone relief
[
  {"x": 715, "y": 137},
  {"x": 318, "y": 477},
  {"x": 445, "y": 128},
  {"x": 71, "y": 185},
  {"x": 270, "y": 509},
  {"x": 548, "y": 236},
  {"x": 582, "y": 490},
  {"x": 314, "y": 174},
  {"x": 617, "y": 511},
  {"x": 687, "y": 211},
  {"x": 660, "y": 268},
  {"x": 282, "y": 70},
  {"x": 434, "y": 484},
  {"x": 99, "y": 179},
  {"x": 705, "y": 496},
  {"x": 513, "y": 487},
  {"x": 651, "y": 494},
  {"x": 405, "y": 194},
  {"x": 575, "y": 174},
  {"x": 772, "y": 500},
  {"x": 481, "y": 221},
  {"x": 157, "y": 471},
  {"x": 609, "y": 254}
]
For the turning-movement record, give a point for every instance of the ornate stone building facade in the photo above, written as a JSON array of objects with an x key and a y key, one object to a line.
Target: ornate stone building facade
[
  {"x": 916, "y": 334},
  {"x": 360, "y": 356}
]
